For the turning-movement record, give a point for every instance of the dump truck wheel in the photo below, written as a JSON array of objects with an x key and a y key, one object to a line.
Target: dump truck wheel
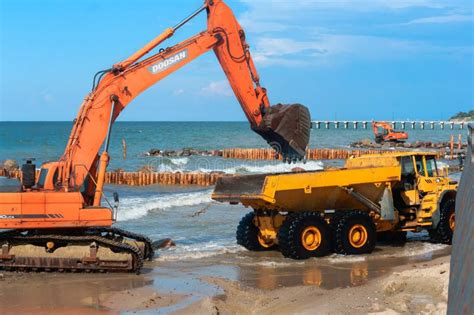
[
  {"x": 355, "y": 234},
  {"x": 304, "y": 235},
  {"x": 443, "y": 233},
  {"x": 248, "y": 235}
]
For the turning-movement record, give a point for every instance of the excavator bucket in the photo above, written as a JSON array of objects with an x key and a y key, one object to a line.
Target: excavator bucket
[{"x": 287, "y": 129}]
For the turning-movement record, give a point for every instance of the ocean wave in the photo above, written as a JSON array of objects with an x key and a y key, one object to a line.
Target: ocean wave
[
  {"x": 412, "y": 249},
  {"x": 137, "y": 207},
  {"x": 266, "y": 168},
  {"x": 274, "y": 264},
  {"x": 198, "y": 251},
  {"x": 338, "y": 258},
  {"x": 179, "y": 161}
]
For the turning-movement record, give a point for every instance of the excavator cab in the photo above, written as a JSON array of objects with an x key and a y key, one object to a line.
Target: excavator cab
[{"x": 384, "y": 132}]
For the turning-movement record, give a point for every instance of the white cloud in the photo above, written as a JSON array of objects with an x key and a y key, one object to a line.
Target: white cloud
[
  {"x": 219, "y": 88},
  {"x": 178, "y": 92},
  {"x": 329, "y": 49},
  {"x": 287, "y": 35},
  {"x": 454, "y": 18}
]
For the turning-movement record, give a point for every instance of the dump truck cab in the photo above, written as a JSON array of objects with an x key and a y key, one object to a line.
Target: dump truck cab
[{"x": 345, "y": 209}]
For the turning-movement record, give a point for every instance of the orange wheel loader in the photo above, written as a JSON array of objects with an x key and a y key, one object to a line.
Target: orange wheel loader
[{"x": 58, "y": 221}]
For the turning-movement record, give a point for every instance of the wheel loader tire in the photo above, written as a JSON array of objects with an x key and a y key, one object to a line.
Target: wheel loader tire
[
  {"x": 248, "y": 235},
  {"x": 355, "y": 234},
  {"x": 443, "y": 233},
  {"x": 304, "y": 235}
]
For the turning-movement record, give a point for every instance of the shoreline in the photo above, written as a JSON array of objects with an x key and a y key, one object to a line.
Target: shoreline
[
  {"x": 405, "y": 290},
  {"x": 224, "y": 284}
]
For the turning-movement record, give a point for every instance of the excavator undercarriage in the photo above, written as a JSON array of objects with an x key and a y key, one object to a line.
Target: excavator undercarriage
[{"x": 89, "y": 250}]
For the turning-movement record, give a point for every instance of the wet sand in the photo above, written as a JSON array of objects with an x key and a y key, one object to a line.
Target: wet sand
[
  {"x": 408, "y": 289},
  {"x": 407, "y": 279}
]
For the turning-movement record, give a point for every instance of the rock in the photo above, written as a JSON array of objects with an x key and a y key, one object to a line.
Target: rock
[
  {"x": 10, "y": 165},
  {"x": 365, "y": 142},
  {"x": 218, "y": 172},
  {"x": 297, "y": 170},
  {"x": 154, "y": 152},
  {"x": 163, "y": 243},
  {"x": 147, "y": 169}
]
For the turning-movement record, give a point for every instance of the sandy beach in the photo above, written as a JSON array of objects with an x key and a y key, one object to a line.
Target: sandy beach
[
  {"x": 410, "y": 289},
  {"x": 251, "y": 284}
]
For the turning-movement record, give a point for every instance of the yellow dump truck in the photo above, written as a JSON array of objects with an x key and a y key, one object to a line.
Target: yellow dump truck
[{"x": 343, "y": 210}]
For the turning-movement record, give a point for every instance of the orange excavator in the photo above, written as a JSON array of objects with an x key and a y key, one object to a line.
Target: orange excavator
[
  {"x": 384, "y": 132},
  {"x": 58, "y": 222}
]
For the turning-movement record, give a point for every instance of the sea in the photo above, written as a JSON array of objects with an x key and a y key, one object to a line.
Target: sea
[{"x": 199, "y": 226}]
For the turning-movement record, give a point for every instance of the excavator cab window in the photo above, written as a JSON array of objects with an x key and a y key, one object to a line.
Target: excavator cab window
[{"x": 42, "y": 177}]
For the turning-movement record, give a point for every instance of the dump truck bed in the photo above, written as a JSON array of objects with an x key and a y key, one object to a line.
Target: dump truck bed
[{"x": 306, "y": 191}]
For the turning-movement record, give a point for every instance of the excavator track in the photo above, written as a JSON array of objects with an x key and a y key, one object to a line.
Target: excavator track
[
  {"x": 77, "y": 251},
  {"x": 148, "y": 251}
]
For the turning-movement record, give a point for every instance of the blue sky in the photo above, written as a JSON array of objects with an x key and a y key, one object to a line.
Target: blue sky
[{"x": 365, "y": 59}]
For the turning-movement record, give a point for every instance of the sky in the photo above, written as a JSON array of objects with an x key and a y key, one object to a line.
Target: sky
[{"x": 344, "y": 59}]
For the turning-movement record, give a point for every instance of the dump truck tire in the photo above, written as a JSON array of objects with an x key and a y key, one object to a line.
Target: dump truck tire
[
  {"x": 355, "y": 234},
  {"x": 304, "y": 235},
  {"x": 247, "y": 234},
  {"x": 443, "y": 233}
]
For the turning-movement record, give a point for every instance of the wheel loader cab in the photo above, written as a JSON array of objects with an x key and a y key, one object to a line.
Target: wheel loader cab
[
  {"x": 405, "y": 193},
  {"x": 419, "y": 174}
]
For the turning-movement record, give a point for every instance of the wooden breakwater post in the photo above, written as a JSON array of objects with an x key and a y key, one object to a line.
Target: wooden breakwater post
[
  {"x": 142, "y": 178},
  {"x": 311, "y": 154},
  {"x": 164, "y": 178},
  {"x": 146, "y": 178}
]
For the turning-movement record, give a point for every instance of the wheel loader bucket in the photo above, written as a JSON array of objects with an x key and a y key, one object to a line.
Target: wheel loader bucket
[{"x": 287, "y": 129}]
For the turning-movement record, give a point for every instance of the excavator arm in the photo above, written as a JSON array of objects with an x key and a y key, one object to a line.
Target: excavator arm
[{"x": 285, "y": 127}]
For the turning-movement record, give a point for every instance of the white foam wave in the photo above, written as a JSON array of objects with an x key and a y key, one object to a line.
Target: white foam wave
[
  {"x": 274, "y": 264},
  {"x": 267, "y": 168},
  {"x": 164, "y": 168},
  {"x": 180, "y": 162},
  {"x": 412, "y": 249},
  {"x": 197, "y": 251},
  {"x": 137, "y": 207},
  {"x": 337, "y": 258}
]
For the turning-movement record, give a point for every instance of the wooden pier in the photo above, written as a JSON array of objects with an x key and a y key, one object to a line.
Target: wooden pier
[{"x": 400, "y": 124}]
